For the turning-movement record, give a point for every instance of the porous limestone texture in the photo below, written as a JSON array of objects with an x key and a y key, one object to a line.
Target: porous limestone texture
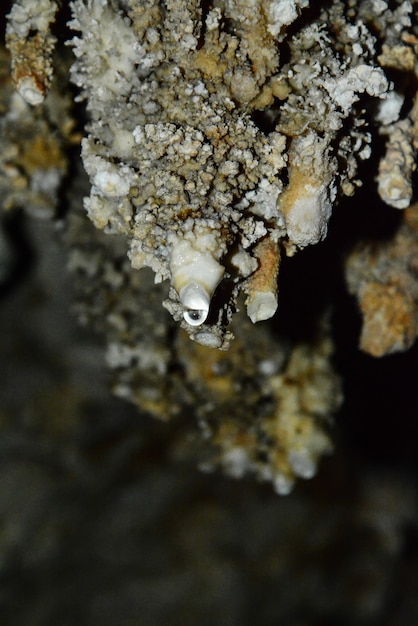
[
  {"x": 216, "y": 128},
  {"x": 199, "y": 132}
]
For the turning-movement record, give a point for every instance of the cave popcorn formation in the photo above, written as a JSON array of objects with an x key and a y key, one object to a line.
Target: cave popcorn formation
[
  {"x": 220, "y": 137},
  {"x": 204, "y": 147}
]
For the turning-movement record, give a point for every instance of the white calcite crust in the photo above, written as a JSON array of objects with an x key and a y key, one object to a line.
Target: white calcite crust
[
  {"x": 174, "y": 153},
  {"x": 195, "y": 274},
  {"x": 198, "y": 124},
  {"x": 31, "y": 15}
]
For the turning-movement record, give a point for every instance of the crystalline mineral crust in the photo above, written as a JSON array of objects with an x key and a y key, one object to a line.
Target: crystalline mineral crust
[
  {"x": 218, "y": 139},
  {"x": 203, "y": 143}
]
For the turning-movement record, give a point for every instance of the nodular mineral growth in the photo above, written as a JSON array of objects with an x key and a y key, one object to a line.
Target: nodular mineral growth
[{"x": 220, "y": 137}]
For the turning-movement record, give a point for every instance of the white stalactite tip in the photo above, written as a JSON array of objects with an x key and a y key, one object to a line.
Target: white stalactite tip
[
  {"x": 262, "y": 284},
  {"x": 261, "y": 306},
  {"x": 30, "y": 91},
  {"x": 195, "y": 274},
  {"x": 196, "y": 302}
]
